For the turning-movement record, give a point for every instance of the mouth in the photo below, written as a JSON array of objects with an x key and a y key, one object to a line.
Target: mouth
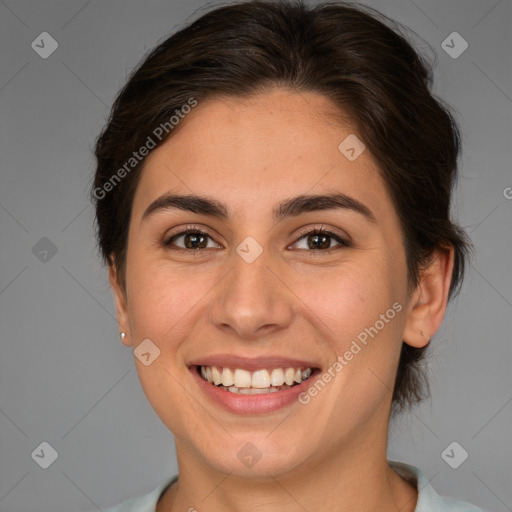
[
  {"x": 262, "y": 381},
  {"x": 247, "y": 385}
]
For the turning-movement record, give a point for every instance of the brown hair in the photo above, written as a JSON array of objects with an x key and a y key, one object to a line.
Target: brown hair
[{"x": 348, "y": 53}]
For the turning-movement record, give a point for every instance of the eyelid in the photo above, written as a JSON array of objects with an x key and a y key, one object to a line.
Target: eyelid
[
  {"x": 189, "y": 228},
  {"x": 343, "y": 240},
  {"x": 322, "y": 228}
]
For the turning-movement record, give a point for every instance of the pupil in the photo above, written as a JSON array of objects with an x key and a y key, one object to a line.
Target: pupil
[
  {"x": 324, "y": 243},
  {"x": 192, "y": 238}
]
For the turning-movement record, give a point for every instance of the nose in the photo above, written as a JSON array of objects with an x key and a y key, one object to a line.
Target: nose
[{"x": 251, "y": 301}]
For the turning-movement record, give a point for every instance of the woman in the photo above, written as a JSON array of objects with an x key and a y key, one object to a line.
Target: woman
[{"x": 273, "y": 203}]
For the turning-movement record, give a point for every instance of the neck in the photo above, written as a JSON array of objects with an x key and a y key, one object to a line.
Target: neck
[{"x": 353, "y": 477}]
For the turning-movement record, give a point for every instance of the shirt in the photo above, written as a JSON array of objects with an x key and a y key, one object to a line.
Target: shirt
[{"x": 428, "y": 499}]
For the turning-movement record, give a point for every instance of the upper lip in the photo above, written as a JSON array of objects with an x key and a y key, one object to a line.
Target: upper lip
[{"x": 252, "y": 363}]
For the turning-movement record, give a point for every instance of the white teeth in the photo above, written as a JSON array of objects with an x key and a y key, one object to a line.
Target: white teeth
[
  {"x": 217, "y": 378},
  {"x": 227, "y": 377},
  {"x": 246, "y": 391},
  {"x": 277, "y": 377},
  {"x": 289, "y": 376},
  {"x": 260, "y": 379},
  {"x": 242, "y": 378},
  {"x": 255, "y": 391},
  {"x": 245, "y": 382}
]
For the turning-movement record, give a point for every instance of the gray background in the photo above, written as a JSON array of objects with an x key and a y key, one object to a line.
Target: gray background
[{"x": 64, "y": 376}]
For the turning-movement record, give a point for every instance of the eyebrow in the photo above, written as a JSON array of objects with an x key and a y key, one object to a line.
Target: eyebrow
[{"x": 289, "y": 208}]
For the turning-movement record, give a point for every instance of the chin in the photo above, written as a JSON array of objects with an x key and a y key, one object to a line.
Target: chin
[{"x": 258, "y": 456}]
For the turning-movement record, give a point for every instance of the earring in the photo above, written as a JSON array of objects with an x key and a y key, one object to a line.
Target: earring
[{"x": 122, "y": 335}]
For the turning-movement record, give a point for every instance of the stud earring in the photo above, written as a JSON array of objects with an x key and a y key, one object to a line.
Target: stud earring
[{"x": 122, "y": 335}]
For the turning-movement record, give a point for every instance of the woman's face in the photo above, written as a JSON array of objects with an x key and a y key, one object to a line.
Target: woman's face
[{"x": 256, "y": 292}]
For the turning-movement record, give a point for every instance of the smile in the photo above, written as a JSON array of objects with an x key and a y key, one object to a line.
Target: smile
[{"x": 262, "y": 381}]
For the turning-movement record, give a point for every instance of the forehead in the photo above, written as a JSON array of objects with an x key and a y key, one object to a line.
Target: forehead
[{"x": 256, "y": 151}]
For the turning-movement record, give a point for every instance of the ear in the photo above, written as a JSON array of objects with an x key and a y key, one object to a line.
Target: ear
[
  {"x": 120, "y": 301},
  {"x": 429, "y": 299}
]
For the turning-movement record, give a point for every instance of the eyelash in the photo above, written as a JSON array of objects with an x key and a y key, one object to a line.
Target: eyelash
[{"x": 315, "y": 231}]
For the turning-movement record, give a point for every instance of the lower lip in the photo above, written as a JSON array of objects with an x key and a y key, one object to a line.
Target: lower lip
[{"x": 252, "y": 404}]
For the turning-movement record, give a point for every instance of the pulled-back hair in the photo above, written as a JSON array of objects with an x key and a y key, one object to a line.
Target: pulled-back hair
[{"x": 353, "y": 55}]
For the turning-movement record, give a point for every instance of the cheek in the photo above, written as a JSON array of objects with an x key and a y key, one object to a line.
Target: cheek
[
  {"x": 161, "y": 297},
  {"x": 162, "y": 304},
  {"x": 358, "y": 310},
  {"x": 350, "y": 298}
]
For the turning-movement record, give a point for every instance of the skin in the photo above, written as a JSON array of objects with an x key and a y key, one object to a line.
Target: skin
[{"x": 250, "y": 154}]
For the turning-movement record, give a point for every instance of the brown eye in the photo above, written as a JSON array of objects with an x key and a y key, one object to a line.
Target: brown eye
[
  {"x": 320, "y": 239},
  {"x": 192, "y": 239}
]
